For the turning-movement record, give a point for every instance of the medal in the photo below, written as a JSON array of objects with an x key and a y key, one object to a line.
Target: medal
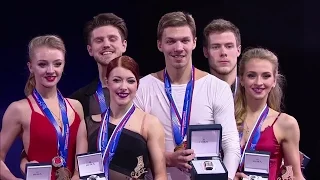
[
  {"x": 107, "y": 145},
  {"x": 63, "y": 174},
  {"x": 62, "y": 135},
  {"x": 57, "y": 161},
  {"x": 182, "y": 146},
  {"x": 180, "y": 123},
  {"x": 254, "y": 135}
]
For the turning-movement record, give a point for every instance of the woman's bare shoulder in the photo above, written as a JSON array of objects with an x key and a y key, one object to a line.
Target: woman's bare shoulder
[
  {"x": 77, "y": 106},
  {"x": 287, "y": 122},
  {"x": 150, "y": 120},
  {"x": 17, "y": 110}
]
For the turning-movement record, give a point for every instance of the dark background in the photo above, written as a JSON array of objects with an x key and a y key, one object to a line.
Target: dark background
[{"x": 288, "y": 28}]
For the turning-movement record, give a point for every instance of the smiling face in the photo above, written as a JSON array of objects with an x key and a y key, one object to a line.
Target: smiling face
[
  {"x": 122, "y": 85},
  {"x": 258, "y": 78},
  {"x": 177, "y": 44},
  {"x": 122, "y": 80},
  {"x": 47, "y": 65},
  {"x": 106, "y": 44}
]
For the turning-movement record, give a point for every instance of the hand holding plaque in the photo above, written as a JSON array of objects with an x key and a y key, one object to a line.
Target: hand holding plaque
[
  {"x": 240, "y": 175},
  {"x": 91, "y": 166},
  {"x": 24, "y": 163},
  {"x": 181, "y": 158},
  {"x": 256, "y": 165},
  {"x": 38, "y": 171}
]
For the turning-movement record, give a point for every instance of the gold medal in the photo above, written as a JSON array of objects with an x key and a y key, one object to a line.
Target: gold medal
[{"x": 182, "y": 146}]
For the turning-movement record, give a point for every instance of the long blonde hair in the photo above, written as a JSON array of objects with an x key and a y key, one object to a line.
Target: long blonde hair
[
  {"x": 275, "y": 96},
  {"x": 50, "y": 41}
]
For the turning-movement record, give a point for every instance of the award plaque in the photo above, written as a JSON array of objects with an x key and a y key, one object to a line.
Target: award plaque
[
  {"x": 91, "y": 166},
  {"x": 205, "y": 140},
  {"x": 256, "y": 165},
  {"x": 38, "y": 171}
]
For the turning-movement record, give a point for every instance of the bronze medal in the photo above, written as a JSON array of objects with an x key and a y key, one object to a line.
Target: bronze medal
[
  {"x": 57, "y": 161},
  {"x": 63, "y": 174}
]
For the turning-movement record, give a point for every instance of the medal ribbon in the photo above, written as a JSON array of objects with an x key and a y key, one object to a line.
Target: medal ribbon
[
  {"x": 254, "y": 135},
  {"x": 101, "y": 99},
  {"x": 109, "y": 146},
  {"x": 180, "y": 124},
  {"x": 62, "y": 136}
]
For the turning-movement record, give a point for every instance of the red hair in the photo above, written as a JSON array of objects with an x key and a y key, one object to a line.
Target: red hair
[{"x": 124, "y": 62}]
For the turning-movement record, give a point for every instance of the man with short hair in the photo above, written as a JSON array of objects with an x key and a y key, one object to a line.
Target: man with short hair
[
  {"x": 106, "y": 37},
  {"x": 181, "y": 94},
  {"x": 222, "y": 47}
]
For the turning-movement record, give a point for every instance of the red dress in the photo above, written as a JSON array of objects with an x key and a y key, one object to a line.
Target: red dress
[
  {"x": 43, "y": 140},
  {"x": 268, "y": 142}
]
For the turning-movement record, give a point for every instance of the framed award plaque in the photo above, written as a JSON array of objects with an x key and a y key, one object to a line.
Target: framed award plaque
[
  {"x": 38, "y": 171},
  {"x": 256, "y": 165},
  {"x": 91, "y": 166}
]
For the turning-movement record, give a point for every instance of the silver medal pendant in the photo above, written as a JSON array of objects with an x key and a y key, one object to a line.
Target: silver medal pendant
[{"x": 57, "y": 161}]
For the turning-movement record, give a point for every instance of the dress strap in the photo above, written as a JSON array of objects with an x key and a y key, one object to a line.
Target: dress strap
[
  {"x": 142, "y": 128},
  {"x": 70, "y": 105},
  {"x": 30, "y": 104},
  {"x": 276, "y": 119}
]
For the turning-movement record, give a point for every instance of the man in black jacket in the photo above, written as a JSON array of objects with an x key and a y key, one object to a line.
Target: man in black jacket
[{"x": 106, "y": 37}]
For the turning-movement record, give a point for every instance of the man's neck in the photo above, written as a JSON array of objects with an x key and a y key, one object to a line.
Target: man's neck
[
  {"x": 102, "y": 74},
  {"x": 179, "y": 76},
  {"x": 47, "y": 93},
  {"x": 229, "y": 78}
]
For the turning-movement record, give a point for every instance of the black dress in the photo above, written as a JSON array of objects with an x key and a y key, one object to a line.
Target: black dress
[{"x": 131, "y": 157}]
